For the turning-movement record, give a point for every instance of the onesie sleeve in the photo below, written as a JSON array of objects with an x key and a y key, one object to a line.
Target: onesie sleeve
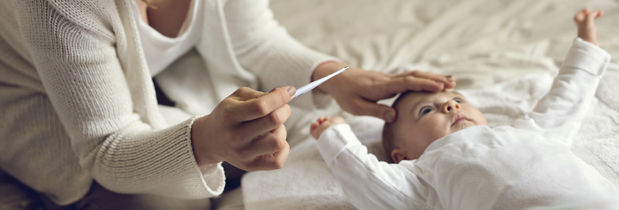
[
  {"x": 265, "y": 48},
  {"x": 559, "y": 113},
  {"x": 367, "y": 182}
]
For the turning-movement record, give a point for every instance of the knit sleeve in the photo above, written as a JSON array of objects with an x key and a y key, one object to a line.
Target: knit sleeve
[
  {"x": 74, "y": 49},
  {"x": 265, "y": 48}
]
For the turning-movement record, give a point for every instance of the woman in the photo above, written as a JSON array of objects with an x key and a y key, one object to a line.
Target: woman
[{"x": 80, "y": 114}]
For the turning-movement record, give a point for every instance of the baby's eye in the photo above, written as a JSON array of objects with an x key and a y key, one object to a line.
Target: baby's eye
[
  {"x": 424, "y": 110},
  {"x": 458, "y": 100}
]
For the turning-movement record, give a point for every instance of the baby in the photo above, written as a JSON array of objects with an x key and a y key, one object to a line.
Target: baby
[{"x": 446, "y": 157}]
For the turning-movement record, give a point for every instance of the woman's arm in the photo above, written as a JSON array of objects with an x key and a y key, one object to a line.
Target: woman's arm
[
  {"x": 77, "y": 59},
  {"x": 265, "y": 48}
]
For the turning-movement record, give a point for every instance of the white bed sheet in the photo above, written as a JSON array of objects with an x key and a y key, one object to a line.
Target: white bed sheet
[{"x": 503, "y": 54}]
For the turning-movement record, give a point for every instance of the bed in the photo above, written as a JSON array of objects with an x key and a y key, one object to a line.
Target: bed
[{"x": 504, "y": 55}]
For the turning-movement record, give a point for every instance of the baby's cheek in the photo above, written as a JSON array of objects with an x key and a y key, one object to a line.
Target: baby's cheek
[{"x": 439, "y": 130}]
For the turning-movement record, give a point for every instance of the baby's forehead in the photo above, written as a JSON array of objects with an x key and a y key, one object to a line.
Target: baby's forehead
[{"x": 428, "y": 96}]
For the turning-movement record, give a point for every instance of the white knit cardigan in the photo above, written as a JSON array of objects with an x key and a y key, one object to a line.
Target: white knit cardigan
[{"x": 77, "y": 102}]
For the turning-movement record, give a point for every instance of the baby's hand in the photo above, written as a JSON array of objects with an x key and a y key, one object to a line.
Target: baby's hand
[
  {"x": 586, "y": 25},
  {"x": 323, "y": 123}
]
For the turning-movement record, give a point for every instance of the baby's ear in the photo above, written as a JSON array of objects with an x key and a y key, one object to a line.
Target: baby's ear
[{"x": 398, "y": 155}]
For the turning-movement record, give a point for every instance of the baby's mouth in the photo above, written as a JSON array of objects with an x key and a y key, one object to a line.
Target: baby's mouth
[{"x": 459, "y": 118}]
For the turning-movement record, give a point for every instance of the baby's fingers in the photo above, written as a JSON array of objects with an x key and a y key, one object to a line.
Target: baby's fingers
[
  {"x": 600, "y": 13},
  {"x": 592, "y": 16},
  {"x": 314, "y": 125},
  {"x": 580, "y": 16}
]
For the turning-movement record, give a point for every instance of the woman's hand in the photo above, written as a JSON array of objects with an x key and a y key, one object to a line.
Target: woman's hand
[
  {"x": 357, "y": 90},
  {"x": 246, "y": 130}
]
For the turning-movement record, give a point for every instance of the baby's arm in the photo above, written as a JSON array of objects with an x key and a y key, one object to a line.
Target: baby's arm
[
  {"x": 558, "y": 115},
  {"x": 367, "y": 182},
  {"x": 586, "y": 25},
  {"x": 322, "y": 123}
]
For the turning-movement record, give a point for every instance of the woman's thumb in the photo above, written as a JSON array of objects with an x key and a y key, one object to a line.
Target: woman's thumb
[
  {"x": 388, "y": 115},
  {"x": 373, "y": 109},
  {"x": 384, "y": 112}
]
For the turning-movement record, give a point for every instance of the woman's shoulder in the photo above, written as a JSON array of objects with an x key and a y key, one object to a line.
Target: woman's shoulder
[{"x": 94, "y": 15}]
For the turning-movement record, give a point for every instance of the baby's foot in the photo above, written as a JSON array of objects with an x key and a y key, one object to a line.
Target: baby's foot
[
  {"x": 586, "y": 25},
  {"x": 322, "y": 123}
]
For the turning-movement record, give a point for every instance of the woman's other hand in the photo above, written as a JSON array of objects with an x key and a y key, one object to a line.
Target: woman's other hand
[
  {"x": 357, "y": 90},
  {"x": 246, "y": 130}
]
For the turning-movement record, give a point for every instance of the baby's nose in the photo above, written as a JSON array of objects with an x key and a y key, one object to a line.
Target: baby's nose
[{"x": 450, "y": 106}]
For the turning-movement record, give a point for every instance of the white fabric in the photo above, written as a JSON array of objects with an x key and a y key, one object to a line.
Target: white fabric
[
  {"x": 78, "y": 103},
  {"x": 526, "y": 165},
  {"x": 160, "y": 51},
  {"x": 309, "y": 183},
  {"x": 504, "y": 55}
]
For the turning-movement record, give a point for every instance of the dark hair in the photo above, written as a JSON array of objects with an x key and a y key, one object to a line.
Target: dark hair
[{"x": 388, "y": 134}]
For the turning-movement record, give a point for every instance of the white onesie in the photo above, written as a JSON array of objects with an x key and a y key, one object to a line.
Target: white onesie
[{"x": 523, "y": 166}]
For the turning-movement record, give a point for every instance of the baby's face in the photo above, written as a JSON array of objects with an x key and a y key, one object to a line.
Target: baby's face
[{"x": 424, "y": 117}]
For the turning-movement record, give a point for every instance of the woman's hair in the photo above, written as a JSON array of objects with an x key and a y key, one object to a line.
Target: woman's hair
[{"x": 389, "y": 140}]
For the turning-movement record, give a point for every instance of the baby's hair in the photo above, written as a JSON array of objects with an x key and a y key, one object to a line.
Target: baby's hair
[{"x": 388, "y": 136}]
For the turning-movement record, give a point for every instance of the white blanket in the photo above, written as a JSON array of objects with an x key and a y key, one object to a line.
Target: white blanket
[
  {"x": 503, "y": 54},
  {"x": 306, "y": 182}
]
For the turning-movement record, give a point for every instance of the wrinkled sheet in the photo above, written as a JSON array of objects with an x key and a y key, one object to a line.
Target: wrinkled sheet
[{"x": 503, "y": 54}]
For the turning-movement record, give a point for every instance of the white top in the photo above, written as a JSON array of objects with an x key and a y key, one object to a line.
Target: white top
[
  {"x": 526, "y": 165},
  {"x": 160, "y": 50},
  {"x": 78, "y": 104}
]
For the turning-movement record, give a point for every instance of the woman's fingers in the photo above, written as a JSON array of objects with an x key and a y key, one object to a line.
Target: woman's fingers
[
  {"x": 264, "y": 152},
  {"x": 271, "y": 161},
  {"x": 243, "y": 127},
  {"x": 260, "y": 126},
  {"x": 360, "y": 106},
  {"x": 269, "y": 151},
  {"x": 448, "y": 81},
  {"x": 409, "y": 82},
  {"x": 428, "y": 75},
  {"x": 246, "y": 104},
  {"x": 414, "y": 81},
  {"x": 268, "y": 143}
]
